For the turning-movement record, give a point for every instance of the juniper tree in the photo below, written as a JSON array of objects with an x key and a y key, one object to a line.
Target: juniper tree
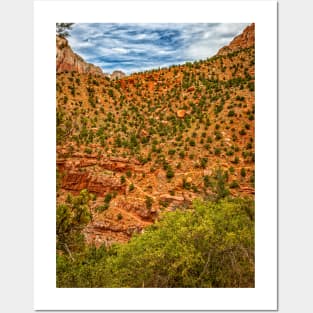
[{"x": 62, "y": 29}]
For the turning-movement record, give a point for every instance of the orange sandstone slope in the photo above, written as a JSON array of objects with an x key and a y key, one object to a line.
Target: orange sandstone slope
[{"x": 155, "y": 140}]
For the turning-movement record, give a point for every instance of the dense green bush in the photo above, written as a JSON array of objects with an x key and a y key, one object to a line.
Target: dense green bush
[{"x": 208, "y": 245}]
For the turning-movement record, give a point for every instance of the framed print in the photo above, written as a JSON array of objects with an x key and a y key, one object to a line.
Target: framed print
[{"x": 155, "y": 130}]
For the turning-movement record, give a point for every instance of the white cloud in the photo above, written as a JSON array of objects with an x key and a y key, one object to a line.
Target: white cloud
[
  {"x": 120, "y": 50},
  {"x": 135, "y": 47},
  {"x": 200, "y": 51}
]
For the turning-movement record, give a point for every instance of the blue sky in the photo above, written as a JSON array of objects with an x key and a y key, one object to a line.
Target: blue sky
[{"x": 138, "y": 47}]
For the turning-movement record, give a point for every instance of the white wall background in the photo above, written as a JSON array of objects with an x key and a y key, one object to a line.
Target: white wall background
[{"x": 295, "y": 156}]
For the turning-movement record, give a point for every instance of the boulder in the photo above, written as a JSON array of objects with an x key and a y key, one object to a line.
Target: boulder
[
  {"x": 189, "y": 180},
  {"x": 169, "y": 198},
  {"x": 181, "y": 113}
]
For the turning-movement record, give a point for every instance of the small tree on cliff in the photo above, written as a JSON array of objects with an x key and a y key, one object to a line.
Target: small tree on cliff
[
  {"x": 71, "y": 218},
  {"x": 63, "y": 29}
]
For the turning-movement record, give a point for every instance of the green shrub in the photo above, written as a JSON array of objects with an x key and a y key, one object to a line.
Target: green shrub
[
  {"x": 181, "y": 154},
  {"x": 249, "y": 145},
  {"x": 218, "y": 136},
  {"x": 185, "y": 184},
  {"x": 251, "y": 86},
  {"x": 108, "y": 197},
  {"x": 169, "y": 173},
  {"x": 149, "y": 202},
  {"x": 102, "y": 208},
  {"x": 242, "y": 132},
  {"x": 217, "y": 151},
  {"x": 203, "y": 162},
  {"x": 88, "y": 150},
  {"x": 128, "y": 173},
  {"x": 231, "y": 113},
  {"x": 220, "y": 185},
  {"x": 171, "y": 151},
  {"x": 131, "y": 187},
  {"x": 234, "y": 184},
  {"x": 236, "y": 160},
  {"x": 206, "y": 181},
  {"x": 243, "y": 172},
  {"x": 123, "y": 179}
]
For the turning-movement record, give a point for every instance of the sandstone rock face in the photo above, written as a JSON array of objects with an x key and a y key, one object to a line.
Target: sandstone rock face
[
  {"x": 80, "y": 160},
  {"x": 139, "y": 208},
  {"x": 244, "y": 40},
  {"x": 67, "y": 60},
  {"x": 100, "y": 185},
  {"x": 167, "y": 197},
  {"x": 105, "y": 232},
  {"x": 117, "y": 75}
]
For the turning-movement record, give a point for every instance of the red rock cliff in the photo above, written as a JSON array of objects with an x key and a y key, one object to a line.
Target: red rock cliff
[
  {"x": 244, "y": 40},
  {"x": 67, "y": 60}
]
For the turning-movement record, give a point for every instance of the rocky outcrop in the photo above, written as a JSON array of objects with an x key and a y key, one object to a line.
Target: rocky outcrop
[
  {"x": 117, "y": 75},
  {"x": 174, "y": 202},
  {"x": 67, "y": 60},
  {"x": 97, "y": 184},
  {"x": 107, "y": 233},
  {"x": 169, "y": 198},
  {"x": 242, "y": 41},
  {"x": 138, "y": 207},
  {"x": 80, "y": 160}
]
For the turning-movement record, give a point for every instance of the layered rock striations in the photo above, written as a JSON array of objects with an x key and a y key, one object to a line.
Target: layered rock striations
[{"x": 67, "y": 60}]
